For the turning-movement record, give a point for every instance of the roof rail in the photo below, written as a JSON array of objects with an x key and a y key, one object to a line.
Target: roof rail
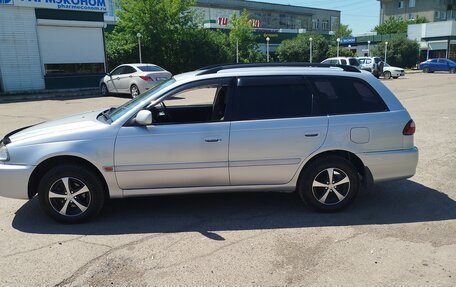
[{"x": 216, "y": 68}]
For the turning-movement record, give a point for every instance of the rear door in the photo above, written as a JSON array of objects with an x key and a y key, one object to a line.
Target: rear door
[{"x": 273, "y": 130}]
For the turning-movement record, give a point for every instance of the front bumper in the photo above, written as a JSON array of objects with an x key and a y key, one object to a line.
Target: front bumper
[
  {"x": 14, "y": 180},
  {"x": 391, "y": 165}
]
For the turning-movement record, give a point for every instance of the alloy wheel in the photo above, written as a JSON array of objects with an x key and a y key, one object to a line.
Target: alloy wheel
[
  {"x": 134, "y": 91},
  {"x": 69, "y": 196},
  {"x": 331, "y": 186}
]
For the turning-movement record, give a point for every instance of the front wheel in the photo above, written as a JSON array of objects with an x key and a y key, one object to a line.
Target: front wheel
[
  {"x": 71, "y": 194},
  {"x": 387, "y": 75},
  {"x": 453, "y": 71},
  {"x": 329, "y": 184},
  {"x": 426, "y": 70},
  {"x": 104, "y": 90}
]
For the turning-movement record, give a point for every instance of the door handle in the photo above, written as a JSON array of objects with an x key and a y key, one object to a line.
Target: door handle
[
  {"x": 212, "y": 140},
  {"x": 118, "y": 78},
  {"x": 130, "y": 76},
  {"x": 312, "y": 135}
]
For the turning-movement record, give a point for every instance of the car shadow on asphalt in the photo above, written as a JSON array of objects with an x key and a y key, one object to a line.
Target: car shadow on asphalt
[{"x": 387, "y": 203}]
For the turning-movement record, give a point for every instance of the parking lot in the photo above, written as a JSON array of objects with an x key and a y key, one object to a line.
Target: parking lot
[{"x": 396, "y": 234}]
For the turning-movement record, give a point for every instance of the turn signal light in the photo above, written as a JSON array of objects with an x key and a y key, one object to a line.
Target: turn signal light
[{"x": 409, "y": 128}]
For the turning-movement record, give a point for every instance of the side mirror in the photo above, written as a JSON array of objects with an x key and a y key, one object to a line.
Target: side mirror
[{"x": 144, "y": 118}]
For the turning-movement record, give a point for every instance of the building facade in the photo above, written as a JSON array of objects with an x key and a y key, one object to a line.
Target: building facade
[
  {"x": 51, "y": 44},
  {"x": 433, "y": 10}
]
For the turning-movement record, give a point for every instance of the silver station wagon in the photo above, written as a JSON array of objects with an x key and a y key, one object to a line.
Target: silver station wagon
[{"x": 319, "y": 130}]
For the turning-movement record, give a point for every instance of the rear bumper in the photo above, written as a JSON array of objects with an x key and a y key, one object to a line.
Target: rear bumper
[
  {"x": 14, "y": 180},
  {"x": 391, "y": 165}
]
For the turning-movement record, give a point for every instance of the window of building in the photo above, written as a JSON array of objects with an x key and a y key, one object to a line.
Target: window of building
[
  {"x": 325, "y": 25},
  {"x": 412, "y": 3},
  {"x": 400, "y": 4},
  {"x": 315, "y": 24},
  {"x": 272, "y": 98},
  {"x": 411, "y": 16},
  {"x": 338, "y": 95},
  {"x": 69, "y": 69}
]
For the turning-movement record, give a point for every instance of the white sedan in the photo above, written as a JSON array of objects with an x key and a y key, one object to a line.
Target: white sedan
[
  {"x": 133, "y": 79},
  {"x": 392, "y": 72}
]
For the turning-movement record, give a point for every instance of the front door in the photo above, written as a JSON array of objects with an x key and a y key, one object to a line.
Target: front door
[
  {"x": 113, "y": 81},
  {"x": 186, "y": 146}
]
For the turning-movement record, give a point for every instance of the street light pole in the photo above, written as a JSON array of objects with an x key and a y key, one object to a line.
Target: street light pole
[
  {"x": 237, "y": 50},
  {"x": 368, "y": 48},
  {"x": 338, "y": 41},
  {"x": 386, "y": 49},
  {"x": 139, "y": 46},
  {"x": 267, "y": 48},
  {"x": 310, "y": 39}
]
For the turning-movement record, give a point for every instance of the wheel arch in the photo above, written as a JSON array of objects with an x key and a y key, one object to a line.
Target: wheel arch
[
  {"x": 49, "y": 163},
  {"x": 363, "y": 171}
]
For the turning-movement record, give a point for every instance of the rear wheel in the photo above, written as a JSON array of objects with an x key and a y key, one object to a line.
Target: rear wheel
[
  {"x": 134, "y": 91},
  {"x": 453, "y": 71},
  {"x": 329, "y": 184},
  {"x": 387, "y": 75},
  {"x": 71, "y": 193}
]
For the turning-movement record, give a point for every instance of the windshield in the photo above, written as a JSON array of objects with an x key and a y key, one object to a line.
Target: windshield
[
  {"x": 386, "y": 65},
  {"x": 353, "y": 62},
  {"x": 116, "y": 113}
]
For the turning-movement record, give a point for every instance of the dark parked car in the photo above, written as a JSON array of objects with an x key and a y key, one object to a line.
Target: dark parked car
[{"x": 432, "y": 65}]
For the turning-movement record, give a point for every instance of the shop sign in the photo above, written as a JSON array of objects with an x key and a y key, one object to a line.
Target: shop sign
[
  {"x": 351, "y": 40},
  {"x": 81, "y": 5}
]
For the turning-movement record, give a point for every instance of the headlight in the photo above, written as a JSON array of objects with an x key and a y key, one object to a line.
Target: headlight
[{"x": 3, "y": 152}]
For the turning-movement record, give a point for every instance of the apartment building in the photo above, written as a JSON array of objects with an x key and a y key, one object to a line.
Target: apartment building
[{"x": 433, "y": 10}]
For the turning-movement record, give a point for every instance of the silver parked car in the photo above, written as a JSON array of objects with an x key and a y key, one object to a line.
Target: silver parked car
[
  {"x": 133, "y": 79},
  {"x": 320, "y": 130}
]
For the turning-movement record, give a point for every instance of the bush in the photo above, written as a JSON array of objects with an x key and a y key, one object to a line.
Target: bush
[{"x": 401, "y": 52}]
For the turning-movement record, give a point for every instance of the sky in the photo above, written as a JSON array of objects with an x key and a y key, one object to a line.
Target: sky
[{"x": 361, "y": 15}]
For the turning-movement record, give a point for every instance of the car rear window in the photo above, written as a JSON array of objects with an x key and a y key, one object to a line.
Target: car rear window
[
  {"x": 273, "y": 98},
  {"x": 150, "y": 68},
  {"x": 340, "y": 95}
]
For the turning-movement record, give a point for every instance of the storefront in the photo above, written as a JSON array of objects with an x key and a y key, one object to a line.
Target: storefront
[{"x": 51, "y": 44}]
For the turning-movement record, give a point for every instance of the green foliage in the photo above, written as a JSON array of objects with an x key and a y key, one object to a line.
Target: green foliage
[
  {"x": 343, "y": 32},
  {"x": 170, "y": 38},
  {"x": 395, "y": 25},
  {"x": 401, "y": 52},
  {"x": 298, "y": 49},
  {"x": 343, "y": 52},
  {"x": 241, "y": 34}
]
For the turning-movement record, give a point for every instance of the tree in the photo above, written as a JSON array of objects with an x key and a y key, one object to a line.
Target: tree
[
  {"x": 298, "y": 48},
  {"x": 343, "y": 52},
  {"x": 242, "y": 36},
  {"x": 171, "y": 36},
  {"x": 395, "y": 25},
  {"x": 401, "y": 52},
  {"x": 343, "y": 32}
]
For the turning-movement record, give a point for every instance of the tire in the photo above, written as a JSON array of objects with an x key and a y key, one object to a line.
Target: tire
[
  {"x": 387, "y": 75},
  {"x": 71, "y": 193},
  {"x": 104, "y": 90},
  {"x": 314, "y": 190},
  {"x": 453, "y": 71},
  {"x": 426, "y": 70},
  {"x": 134, "y": 91},
  {"x": 395, "y": 77}
]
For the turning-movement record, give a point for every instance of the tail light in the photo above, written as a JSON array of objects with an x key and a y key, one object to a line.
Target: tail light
[
  {"x": 409, "y": 128},
  {"x": 146, "y": 78}
]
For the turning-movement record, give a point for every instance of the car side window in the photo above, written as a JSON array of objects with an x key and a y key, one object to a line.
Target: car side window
[
  {"x": 117, "y": 71},
  {"x": 196, "y": 104},
  {"x": 368, "y": 61},
  {"x": 343, "y": 61},
  {"x": 261, "y": 98},
  {"x": 340, "y": 95},
  {"x": 434, "y": 61},
  {"x": 128, "y": 70}
]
